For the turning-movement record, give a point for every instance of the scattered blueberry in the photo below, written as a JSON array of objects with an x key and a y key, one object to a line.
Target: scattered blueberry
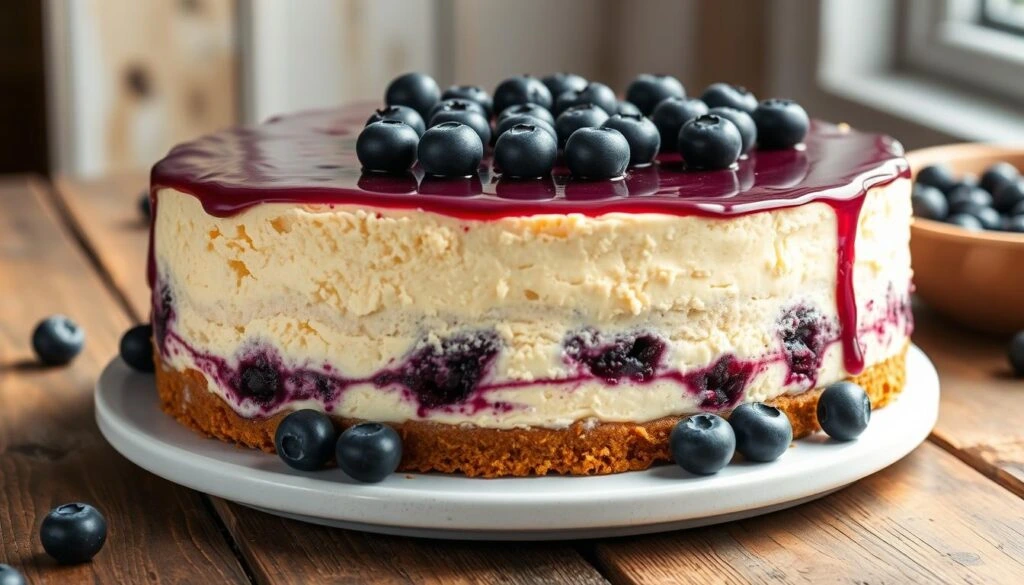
[
  {"x": 10, "y": 576},
  {"x": 964, "y": 196},
  {"x": 523, "y": 89},
  {"x": 387, "y": 146},
  {"x": 724, "y": 95},
  {"x": 450, "y": 149},
  {"x": 559, "y": 83},
  {"x": 743, "y": 122},
  {"x": 456, "y": 105},
  {"x": 844, "y": 410},
  {"x": 702, "y": 444},
  {"x": 416, "y": 90},
  {"x": 670, "y": 115},
  {"x": 763, "y": 432},
  {"x": 595, "y": 93},
  {"x": 137, "y": 348},
  {"x": 576, "y": 117},
  {"x": 929, "y": 202},
  {"x": 473, "y": 93},
  {"x": 73, "y": 533},
  {"x": 511, "y": 121},
  {"x": 1016, "y": 353},
  {"x": 144, "y": 210},
  {"x": 527, "y": 110},
  {"x": 1014, "y": 223},
  {"x": 369, "y": 452},
  {"x": 305, "y": 439},
  {"x": 1008, "y": 196},
  {"x": 402, "y": 114},
  {"x": 456, "y": 112},
  {"x": 968, "y": 222},
  {"x": 709, "y": 142},
  {"x": 780, "y": 124},
  {"x": 57, "y": 340},
  {"x": 525, "y": 151},
  {"x": 597, "y": 153},
  {"x": 939, "y": 176},
  {"x": 647, "y": 91},
  {"x": 641, "y": 134},
  {"x": 998, "y": 175},
  {"x": 628, "y": 109}
]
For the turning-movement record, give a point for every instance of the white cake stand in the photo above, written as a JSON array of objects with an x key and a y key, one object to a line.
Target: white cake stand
[{"x": 538, "y": 508}]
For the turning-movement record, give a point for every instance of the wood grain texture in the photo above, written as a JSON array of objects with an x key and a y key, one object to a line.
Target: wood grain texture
[{"x": 50, "y": 449}]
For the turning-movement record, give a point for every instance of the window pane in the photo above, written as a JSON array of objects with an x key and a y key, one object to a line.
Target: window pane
[{"x": 1006, "y": 15}]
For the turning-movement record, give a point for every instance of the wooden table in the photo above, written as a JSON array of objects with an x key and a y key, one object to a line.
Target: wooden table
[{"x": 952, "y": 511}]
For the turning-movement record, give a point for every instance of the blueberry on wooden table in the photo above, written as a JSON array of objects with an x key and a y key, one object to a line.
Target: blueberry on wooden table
[
  {"x": 369, "y": 452},
  {"x": 763, "y": 432},
  {"x": 702, "y": 444},
  {"x": 73, "y": 533},
  {"x": 57, "y": 340}
]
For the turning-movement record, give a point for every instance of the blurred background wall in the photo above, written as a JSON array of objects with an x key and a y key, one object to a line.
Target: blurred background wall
[{"x": 102, "y": 86}]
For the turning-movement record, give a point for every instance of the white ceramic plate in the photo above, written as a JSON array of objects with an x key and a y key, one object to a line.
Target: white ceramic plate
[{"x": 450, "y": 506}]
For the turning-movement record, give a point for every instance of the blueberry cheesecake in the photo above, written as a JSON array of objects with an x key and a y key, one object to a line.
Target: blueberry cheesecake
[{"x": 554, "y": 300}]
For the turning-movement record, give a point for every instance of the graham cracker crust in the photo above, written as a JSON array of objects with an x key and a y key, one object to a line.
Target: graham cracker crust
[{"x": 581, "y": 449}]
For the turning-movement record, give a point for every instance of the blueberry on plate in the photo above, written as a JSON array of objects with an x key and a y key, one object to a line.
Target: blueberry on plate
[
  {"x": 73, "y": 533},
  {"x": 473, "y": 93},
  {"x": 450, "y": 149},
  {"x": 595, "y": 93},
  {"x": 387, "y": 146},
  {"x": 369, "y": 451},
  {"x": 641, "y": 134},
  {"x": 456, "y": 105},
  {"x": 628, "y": 109},
  {"x": 763, "y": 432},
  {"x": 725, "y": 95},
  {"x": 527, "y": 110},
  {"x": 525, "y": 151},
  {"x": 1013, "y": 223},
  {"x": 457, "y": 112},
  {"x": 400, "y": 113},
  {"x": 559, "y": 83},
  {"x": 10, "y": 576},
  {"x": 998, "y": 175},
  {"x": 929, "y": 203},
  {"x": 939, "y": 176},
  {"x": 57, "y": 340},
  {"x": 780, "y": 124},
  {"x": 305, "y": 439},
  {"x": 137, "y": 348},
  {"x": 702, "y": 444},
  {"x": 964, "y": 196},
  {"x": 522, "y": 89},
  {"x": 597, "y": 153},
  {"x": 144, "y": 210},
  {"x": 511, "y": 121},
  {"x": 743, "y": 122},
  {"x": 648, "y": 90},
  {"x": 576, "y": 117},
  {"x": 415, "y": 90},
  {"x": 709, "y": 142},
  {"x": 1008, "y": 196},
  {"x": 670, "y": 115},
  {"x": 844, "y": 410},
  {"x": 1016, "y": 354},
  {"x": 988, "y": 217},
  {"x": 966, "y": 221}
]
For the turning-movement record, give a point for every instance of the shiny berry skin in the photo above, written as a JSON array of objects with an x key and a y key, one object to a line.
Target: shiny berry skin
[
  {"x": 725, "y": 95},
  {"x": 743, "y": 122},
  {"x": 455, "y": 105},
  {"x": 628, "y": 109},
  {"x": 57, "y": 340},
  {"x": 387, "y": 146},
  {"x": 576, "y": 117},
  {"x": 305, "y": 439},
  {"x": 780, "y": 124},
  {"x": 670, "y": 115},
  {"x": 470, "y": 117},
  {"x": 137, "y": 348},
  {"x": 10, "y": 576},
  {"x": 473, "y": 93},
  {"x": 1016, "y": 354},
  {"x": 511, "y": 121},
  {"x": 929, "y": 202},
  {"x": 702, "y": 444},
  {"x": 998, "y": 175},
  {"x": 709, "y": 142},
  {"x": 415, "y": 90},
  {"x": 646, "y": 91},
  {"x": 450, "y": 149},
  {"x": 844, "y": 410},
  {"x": 559, "y": 83},
  {"x": 763, "y": 432},
  {"x": 963, "y": 196},
  {"x": 402, "y": 114},
  {"x": 369, "y": 452},
  {"x": 597, "y": 153},
  {"x": 988, "y": 217},
  {"x": 144, "y": 210},
  {"x": 525, "y": 151},
  {"x": 641, "y": 134},
  {"x": 939, "y": 176},
  {"x": 527, "y": 110},
  {"x": 595, "y": 93},
  {"x": 523, "y": 89},
  {"x": 73, "y": 533},
  {"x": 1008, "y": 196},
  {"x": 968, "y": 222}
]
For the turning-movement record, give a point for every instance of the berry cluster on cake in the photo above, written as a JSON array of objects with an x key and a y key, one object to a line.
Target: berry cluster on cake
[{"x": 546, "y": 280}]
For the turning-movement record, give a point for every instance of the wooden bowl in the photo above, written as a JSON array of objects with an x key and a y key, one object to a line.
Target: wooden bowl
[{"x": 975, "y": 278}]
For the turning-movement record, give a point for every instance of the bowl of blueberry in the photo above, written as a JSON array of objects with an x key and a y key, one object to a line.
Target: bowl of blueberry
[{"x": 967, "y": 239}]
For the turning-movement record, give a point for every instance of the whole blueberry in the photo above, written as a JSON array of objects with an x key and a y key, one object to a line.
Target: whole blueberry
[
  {"x": 1018, "y": 209},
  {"x": 648, "y": 90},
  {"x": 1008, "y": 196},
  {"x": 763, "y": 432},
  {"x": 400, "y": 113},
  {"x": 780, "y": 124},
  {"x": 844, "y": 410},
  {"x": 929, "y": 203},
  {"x": 576, "y": 117},
  {"x": 595, "y": 93},
  {"x": 450, "y": 149},
  {"x": 709, "y": 142},
  {"x": 469, "y": 117},
  {"x": 73, "y": 533},
  {"x": 641, "y": 134},
  {"x": 997, "y": 175},
  {"x": 456, "y": 105},
  {"x": 523, "y": 89},
  {"x": 511, "y": 121},
  {"x": 628, "y": 109},
  {"x": 10, "y": 576},
  {"x": 1016, "y": 353},
  {"x": 743, "y": 122},
  {"x": 473, "y": 93},
  {"x": 144, "y": 210},
  {"x": 725, "y": 95},
  {"x": 526, "y": 151},
  {"x": 968, "y": 222},
  {"x": 964, "y": 196},
  {"x": 988, "y": 217},
  {"x": 305, "y": 439},
  {"x": 387, "y": 146},
  {"x": 416, "y": 90},
  {"x": 1013, "y": 223},
  {"x": 597, "y": 153},
  {"x": 939, "y": 176},
  {"x": 527, "y": 110},
  {"x": 702, "y": 444},
  {"x": 57, "y": 340},
  {"x": 559, "y": 83},
  {"x": 369, "y": 452},
  {"x": 670, "y": 115},
  {"x": 137, "y": 348}
]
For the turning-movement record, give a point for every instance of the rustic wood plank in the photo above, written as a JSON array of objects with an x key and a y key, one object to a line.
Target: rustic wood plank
[
  {"x": 927, "y": 519},
  {"x": 50, "y": 449}
]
